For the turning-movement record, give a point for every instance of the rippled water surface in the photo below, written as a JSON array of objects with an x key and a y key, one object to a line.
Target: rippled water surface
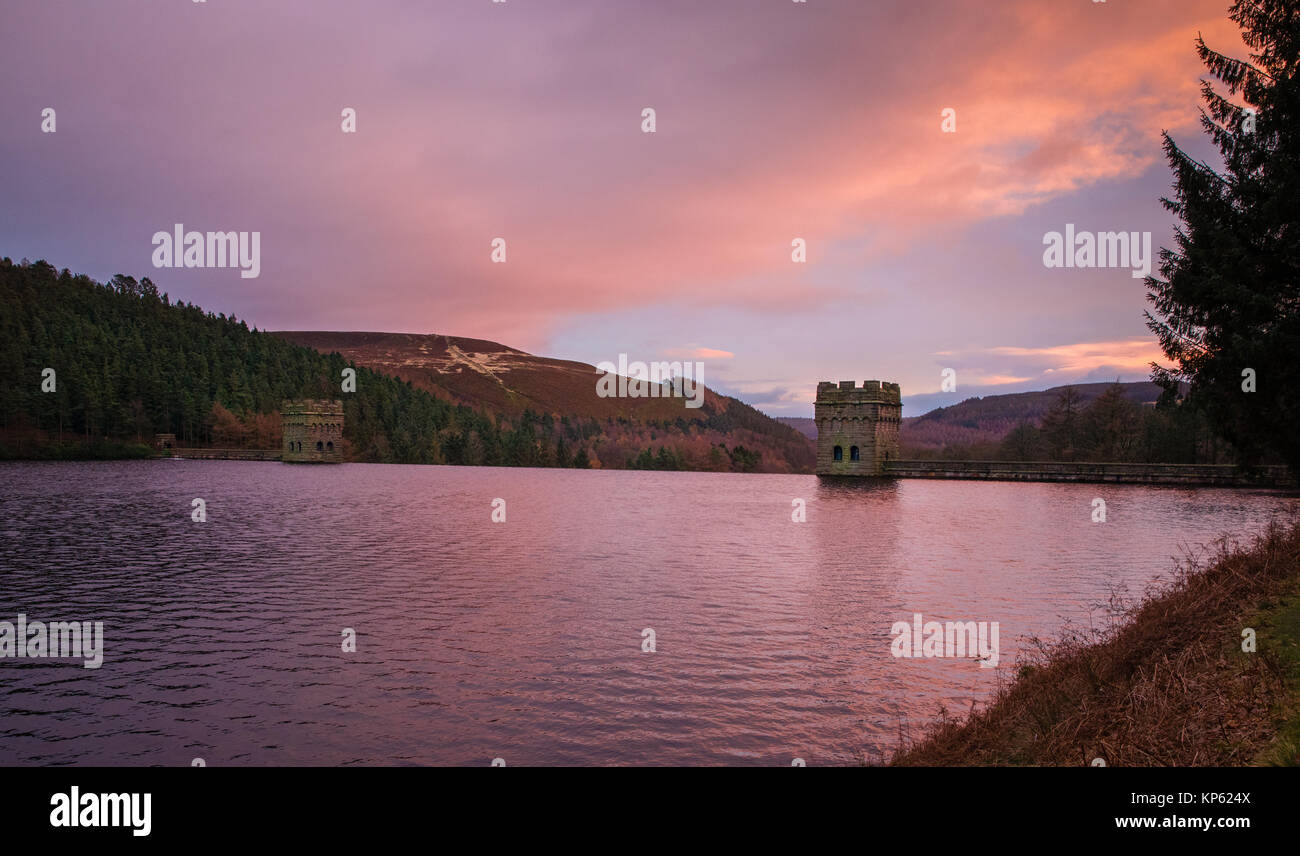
[{"x": 522, "y": 640}]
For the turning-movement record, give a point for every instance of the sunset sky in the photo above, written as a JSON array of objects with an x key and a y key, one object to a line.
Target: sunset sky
[{"x": 522, "y": 120}]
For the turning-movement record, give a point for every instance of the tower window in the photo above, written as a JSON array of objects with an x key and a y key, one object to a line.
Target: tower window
[
  {"x": 853, "y": 453},
  {"x": 320, "y": 447},
  {"x": 839, "y": 453}
]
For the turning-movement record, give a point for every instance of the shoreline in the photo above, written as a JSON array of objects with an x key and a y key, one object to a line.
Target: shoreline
[
  {"x": 1095, "y": 474},
  {"x": 1171, "y": 683}
]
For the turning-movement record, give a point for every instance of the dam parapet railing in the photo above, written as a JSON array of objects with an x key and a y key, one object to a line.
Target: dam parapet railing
[
  {"x": 224, "y": 454},
  {"x": 1225, "y": 475}
]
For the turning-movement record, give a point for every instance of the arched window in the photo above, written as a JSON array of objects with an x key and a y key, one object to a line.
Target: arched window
[
  {"x": 329, "y": 447},
  {"x": 320, "y": 447},
  {"x": 839, "y": 453},
  {"x": 853, "y": 453}
]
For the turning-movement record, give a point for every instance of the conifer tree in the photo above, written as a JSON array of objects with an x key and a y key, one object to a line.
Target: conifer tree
[{"x": 1227, "y": 301}]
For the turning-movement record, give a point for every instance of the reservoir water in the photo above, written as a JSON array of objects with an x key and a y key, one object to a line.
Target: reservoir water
[{"x": 523, "y": 639}]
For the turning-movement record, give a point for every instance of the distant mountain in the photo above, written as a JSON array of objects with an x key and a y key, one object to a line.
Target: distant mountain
[
  {"x": 488, "y": 374},
  {"x": 803, "y": 424},
  {"x": 987, "y": 419},
  {"x": 505, "y": 381}
]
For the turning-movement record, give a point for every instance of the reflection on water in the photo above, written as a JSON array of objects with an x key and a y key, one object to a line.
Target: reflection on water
[{"x": 522, "y": 640}]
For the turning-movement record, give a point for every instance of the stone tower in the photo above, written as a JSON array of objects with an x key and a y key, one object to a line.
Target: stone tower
[
  {"x": 857, "y": 427},
  {"x": 313, "y": 431}
]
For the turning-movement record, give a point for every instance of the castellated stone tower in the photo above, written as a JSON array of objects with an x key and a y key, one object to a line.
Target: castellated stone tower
[
  {"x": 857, "y": 427},
  {"x": 313, "y": 431}
]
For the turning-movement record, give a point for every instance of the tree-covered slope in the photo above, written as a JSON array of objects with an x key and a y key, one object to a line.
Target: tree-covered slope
[{"x": 128, "y": 363}]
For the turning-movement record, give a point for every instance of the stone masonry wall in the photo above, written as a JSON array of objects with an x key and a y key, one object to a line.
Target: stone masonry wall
[
  {"x": 313, "y": 431},
  {"x": 865, "y": 418}
]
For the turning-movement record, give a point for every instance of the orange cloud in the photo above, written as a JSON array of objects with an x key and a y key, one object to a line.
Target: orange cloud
[
  {"x": 1083, "y": 357},
  {"x": 993, "y": 379}
]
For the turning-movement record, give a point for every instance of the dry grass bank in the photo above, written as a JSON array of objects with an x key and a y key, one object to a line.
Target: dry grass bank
[{"x": 1168, "y": 686}]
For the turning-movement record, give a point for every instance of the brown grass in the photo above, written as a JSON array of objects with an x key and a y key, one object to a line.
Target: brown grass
[{"x": 1169, "y": 686}]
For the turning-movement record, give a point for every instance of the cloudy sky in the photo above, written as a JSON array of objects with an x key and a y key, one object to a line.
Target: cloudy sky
[{"x": 775, "y": 120}]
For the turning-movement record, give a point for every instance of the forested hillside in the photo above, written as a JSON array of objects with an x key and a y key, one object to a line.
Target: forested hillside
[
  {"x": 128, "y": 363},
  {"x": 989, "y": 419},
  {"x": 1119, "y": 425}
]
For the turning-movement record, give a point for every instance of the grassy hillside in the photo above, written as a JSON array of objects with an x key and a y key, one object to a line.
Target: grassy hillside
[{"x": 490, "y": 375}]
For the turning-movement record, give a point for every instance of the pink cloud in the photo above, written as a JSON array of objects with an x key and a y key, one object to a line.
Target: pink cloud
[{"x": 699, "y": 354}]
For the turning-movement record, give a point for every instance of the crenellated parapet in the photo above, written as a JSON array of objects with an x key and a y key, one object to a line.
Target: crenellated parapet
[{"x": 848, "y": 392}]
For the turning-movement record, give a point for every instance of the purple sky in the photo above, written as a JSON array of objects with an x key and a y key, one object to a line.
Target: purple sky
[{"x": 522, "y": 120}]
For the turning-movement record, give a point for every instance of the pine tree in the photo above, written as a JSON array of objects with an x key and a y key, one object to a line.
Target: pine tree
[
  {"x": 1022, "y": 443},
  {"x": 1227, "y": 311},
  {"x": 1110, "y": 426},
  {"x": 1061, "y": 426}
]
